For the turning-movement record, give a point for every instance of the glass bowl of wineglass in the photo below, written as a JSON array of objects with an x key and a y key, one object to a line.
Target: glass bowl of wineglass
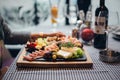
[{"x": 70, "y": 11}]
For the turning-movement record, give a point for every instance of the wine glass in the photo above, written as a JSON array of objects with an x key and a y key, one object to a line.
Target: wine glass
[
  {"x": 54, "y": 9},
  {"x": 70, "y": 11},
  {"x": 71, "y": 14},
  {"x": 113, "y": 20}
]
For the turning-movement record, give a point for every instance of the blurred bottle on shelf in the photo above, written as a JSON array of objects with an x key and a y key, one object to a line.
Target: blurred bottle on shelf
[
  {"x": 81, "y": 15},
  {"x": 88, "y": 19},
  {"x": 73, "y": 12},
  {"x": 83, "y": 5},
  {"x": 67, "y": 12}
]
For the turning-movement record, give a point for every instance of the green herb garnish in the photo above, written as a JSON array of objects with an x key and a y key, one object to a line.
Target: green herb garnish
[{"x": 67, "y": 44}]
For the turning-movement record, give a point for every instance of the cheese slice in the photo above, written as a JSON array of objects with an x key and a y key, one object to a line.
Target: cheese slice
[{"x": 64, "y": 54}]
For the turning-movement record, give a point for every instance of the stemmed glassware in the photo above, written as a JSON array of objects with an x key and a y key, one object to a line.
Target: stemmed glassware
[
  {"x": 72, "y": 14},
  {"x": 113, "y": 20},
  {"x": 54, "y": 9},
  {"x": 70, "y": 11}
]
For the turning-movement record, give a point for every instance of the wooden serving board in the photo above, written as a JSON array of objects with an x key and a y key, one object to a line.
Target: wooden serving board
[{"x": 54, "y": 64}]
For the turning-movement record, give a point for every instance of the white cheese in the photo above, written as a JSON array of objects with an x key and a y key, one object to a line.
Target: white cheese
[{"x": 64, "y": 54}]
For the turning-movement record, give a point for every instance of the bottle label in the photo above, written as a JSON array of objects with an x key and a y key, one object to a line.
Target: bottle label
[{"x": 100, "y": 25}]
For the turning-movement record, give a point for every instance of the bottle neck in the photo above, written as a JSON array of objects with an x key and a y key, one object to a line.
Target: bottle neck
[
  {"x": 67, "y": 1},
  {"x": 67, "y": 11},
  {"x": 102, "y": 3}
]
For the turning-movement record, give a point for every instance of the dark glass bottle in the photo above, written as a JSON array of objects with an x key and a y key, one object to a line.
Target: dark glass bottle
[
  {"x": 101, "y": 23},
  {"x": 67, "y": 12}
]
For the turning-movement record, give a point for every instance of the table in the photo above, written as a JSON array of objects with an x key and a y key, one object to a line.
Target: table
[{"x": 100, "y": 70}]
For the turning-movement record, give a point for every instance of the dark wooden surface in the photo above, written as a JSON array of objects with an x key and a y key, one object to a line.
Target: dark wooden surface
[{"x": 87, "y": 63}]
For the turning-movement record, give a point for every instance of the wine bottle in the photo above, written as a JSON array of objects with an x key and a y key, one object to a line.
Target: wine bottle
[
  {"x": 67, "y": 12},
  {"x": 101, "y": 23}
]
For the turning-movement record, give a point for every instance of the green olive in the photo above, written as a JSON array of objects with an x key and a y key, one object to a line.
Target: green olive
[{"x": 54, "y": 57}]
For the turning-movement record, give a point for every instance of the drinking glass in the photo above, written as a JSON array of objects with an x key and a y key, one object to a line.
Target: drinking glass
[
  {"x": 54, "y": 8},
  {"x": 113, "y": 20},
  {"x": 72, "y": 14}
]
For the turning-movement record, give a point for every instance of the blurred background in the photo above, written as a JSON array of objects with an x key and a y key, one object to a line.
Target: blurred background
[
  {"x": 30, "y": 15},
  {"x": 21, "y": 13}
]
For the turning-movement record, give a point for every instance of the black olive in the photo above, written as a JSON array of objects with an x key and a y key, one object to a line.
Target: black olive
[
  {"x": 42, "y": 47},
  {"x": 31, "y": 49},
  {"x": 48, "y": 55},
  {"x": 59, "y": 45}
]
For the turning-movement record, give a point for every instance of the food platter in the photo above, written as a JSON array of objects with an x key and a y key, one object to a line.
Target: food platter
[
  {"x": 67, "y": 52},
  {"x": 83, "y": 58},
  {"x": 54, "y": 64}
]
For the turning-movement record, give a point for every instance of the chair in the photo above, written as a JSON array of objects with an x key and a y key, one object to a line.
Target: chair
[
  {"x": 5, "y": 58},
  {"x": 3, "y": 71}
]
